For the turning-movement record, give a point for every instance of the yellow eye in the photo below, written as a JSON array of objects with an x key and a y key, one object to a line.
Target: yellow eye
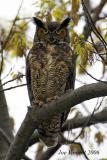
[
  {"x": 41, "y": 32},
  {"x": 62, "y": 32}
]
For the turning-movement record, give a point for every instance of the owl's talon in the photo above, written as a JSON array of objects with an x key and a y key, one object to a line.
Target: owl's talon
[
  {"x": 51, "y": 98},
  {"x": 39, "y": 103}
]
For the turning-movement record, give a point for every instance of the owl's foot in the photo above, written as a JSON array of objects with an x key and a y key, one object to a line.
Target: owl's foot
[
  {"x": 51, "y": 98},
  {"x": 39, "y": 103},
  {"x": 69, "y": 91}
]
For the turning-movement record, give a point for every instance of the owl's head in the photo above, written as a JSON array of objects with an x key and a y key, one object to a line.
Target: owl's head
[{"x": 51, "y": 32}]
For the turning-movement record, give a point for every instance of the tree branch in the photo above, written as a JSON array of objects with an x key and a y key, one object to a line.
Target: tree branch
[
  {"x": 19, "y": 76},
  {"x": 74, "y": 123},
  {"x": 17, "y": 86},
  {"x": 8, "y": 140},
  {"x": 100, "y": 117},
  {"x": 96, "y": 12},
  {"x": 35, "y": 116}
]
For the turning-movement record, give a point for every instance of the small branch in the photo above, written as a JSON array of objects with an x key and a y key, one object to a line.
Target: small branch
[
  {"x": 91, "y": 24},
  {"x": 82, "y": 150},
  {"x": 96, "y": 49},
  {"x": 20, "y": 76},
  {"x": 93, "y": 77},
  {"x": 96, "y": 11},
  {"x": 8, "y": 38},
  {"x": 88, "y": 121},
  {"x": 10, "y": 32},
  {"x": 85, "y": 108},
  {"x": 24, "y": 18},
  {"x": 17, "y": 86},
  {"x": 63, "y": 140},
  {"x": 100, "y": 117}
]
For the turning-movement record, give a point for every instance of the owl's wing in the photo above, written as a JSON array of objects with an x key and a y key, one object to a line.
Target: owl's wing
[
  {"x": 69, "y": 84},
  {"x": 28, "y": 78},
  {"x": 72, "y": 72}
]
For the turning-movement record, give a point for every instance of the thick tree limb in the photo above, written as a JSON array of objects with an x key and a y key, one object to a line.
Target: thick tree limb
[
  {"x": 74, "y": 123},
  {"x": 100, "y": 117},
  {"x": 22, "y": 138},
  {"x": 34, "y": 116}
]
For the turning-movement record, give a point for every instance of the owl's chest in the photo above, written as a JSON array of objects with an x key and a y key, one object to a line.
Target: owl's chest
[{"x": 50, "y": 57}]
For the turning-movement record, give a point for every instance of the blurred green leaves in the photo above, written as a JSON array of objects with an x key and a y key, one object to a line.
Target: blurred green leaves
[
  {"x": 83, "y": 49},
  {"x": 17, "y": 43}
]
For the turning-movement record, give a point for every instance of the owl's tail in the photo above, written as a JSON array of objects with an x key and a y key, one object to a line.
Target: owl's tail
[
  {"x": 49, "y": 141},
  {"x": 49, "y": 131}
]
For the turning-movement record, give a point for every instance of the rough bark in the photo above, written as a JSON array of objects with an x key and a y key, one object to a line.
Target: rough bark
[
  {"x": 4, "y": 125},
  {"x": 33, "y": 117}
]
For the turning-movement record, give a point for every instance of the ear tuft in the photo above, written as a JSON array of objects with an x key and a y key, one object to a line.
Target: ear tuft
[
  {"x": 38, "y": 22},
  {"x": 65, "y": 23}
]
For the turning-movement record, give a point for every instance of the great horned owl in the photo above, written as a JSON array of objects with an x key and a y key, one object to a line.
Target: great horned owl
[{"x": 48, "y": 73}]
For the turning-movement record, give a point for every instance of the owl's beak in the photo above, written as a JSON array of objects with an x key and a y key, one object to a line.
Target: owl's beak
[{"x": 51, "y": 39}]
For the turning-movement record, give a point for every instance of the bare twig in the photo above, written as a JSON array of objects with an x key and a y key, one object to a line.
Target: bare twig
[
  {"x": 66, "y": 141},
  {"x": 92, "y": 25},
  {"x": 97, "y": 107},
  {"x": 17, "y": 86},
  {"x": 97, "y": 52},
  {"x": 10, "y": 32},
  {"x": 85, "y": 124},
  {"x": 20, "y": 76},
  {"x": 82, "y": 150},
  {"x": 85, "y": 108},
  {"x": 10, "y": 70},
  {"x": 96, "y": 11},
  {"x": 93, "y": 77},
  {"x": 24, "y": 18},
  {"x": 8, "y": 38}
]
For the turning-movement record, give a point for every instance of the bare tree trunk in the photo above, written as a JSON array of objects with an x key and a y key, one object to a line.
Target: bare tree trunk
[{"x": 4, "y": 126}]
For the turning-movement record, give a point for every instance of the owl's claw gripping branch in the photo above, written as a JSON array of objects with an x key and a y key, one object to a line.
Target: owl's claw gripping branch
[{"x": 51, "y": 98}]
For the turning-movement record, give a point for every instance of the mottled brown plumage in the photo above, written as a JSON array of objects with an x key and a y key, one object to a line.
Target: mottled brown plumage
[{"x": 48, "y": 68}]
